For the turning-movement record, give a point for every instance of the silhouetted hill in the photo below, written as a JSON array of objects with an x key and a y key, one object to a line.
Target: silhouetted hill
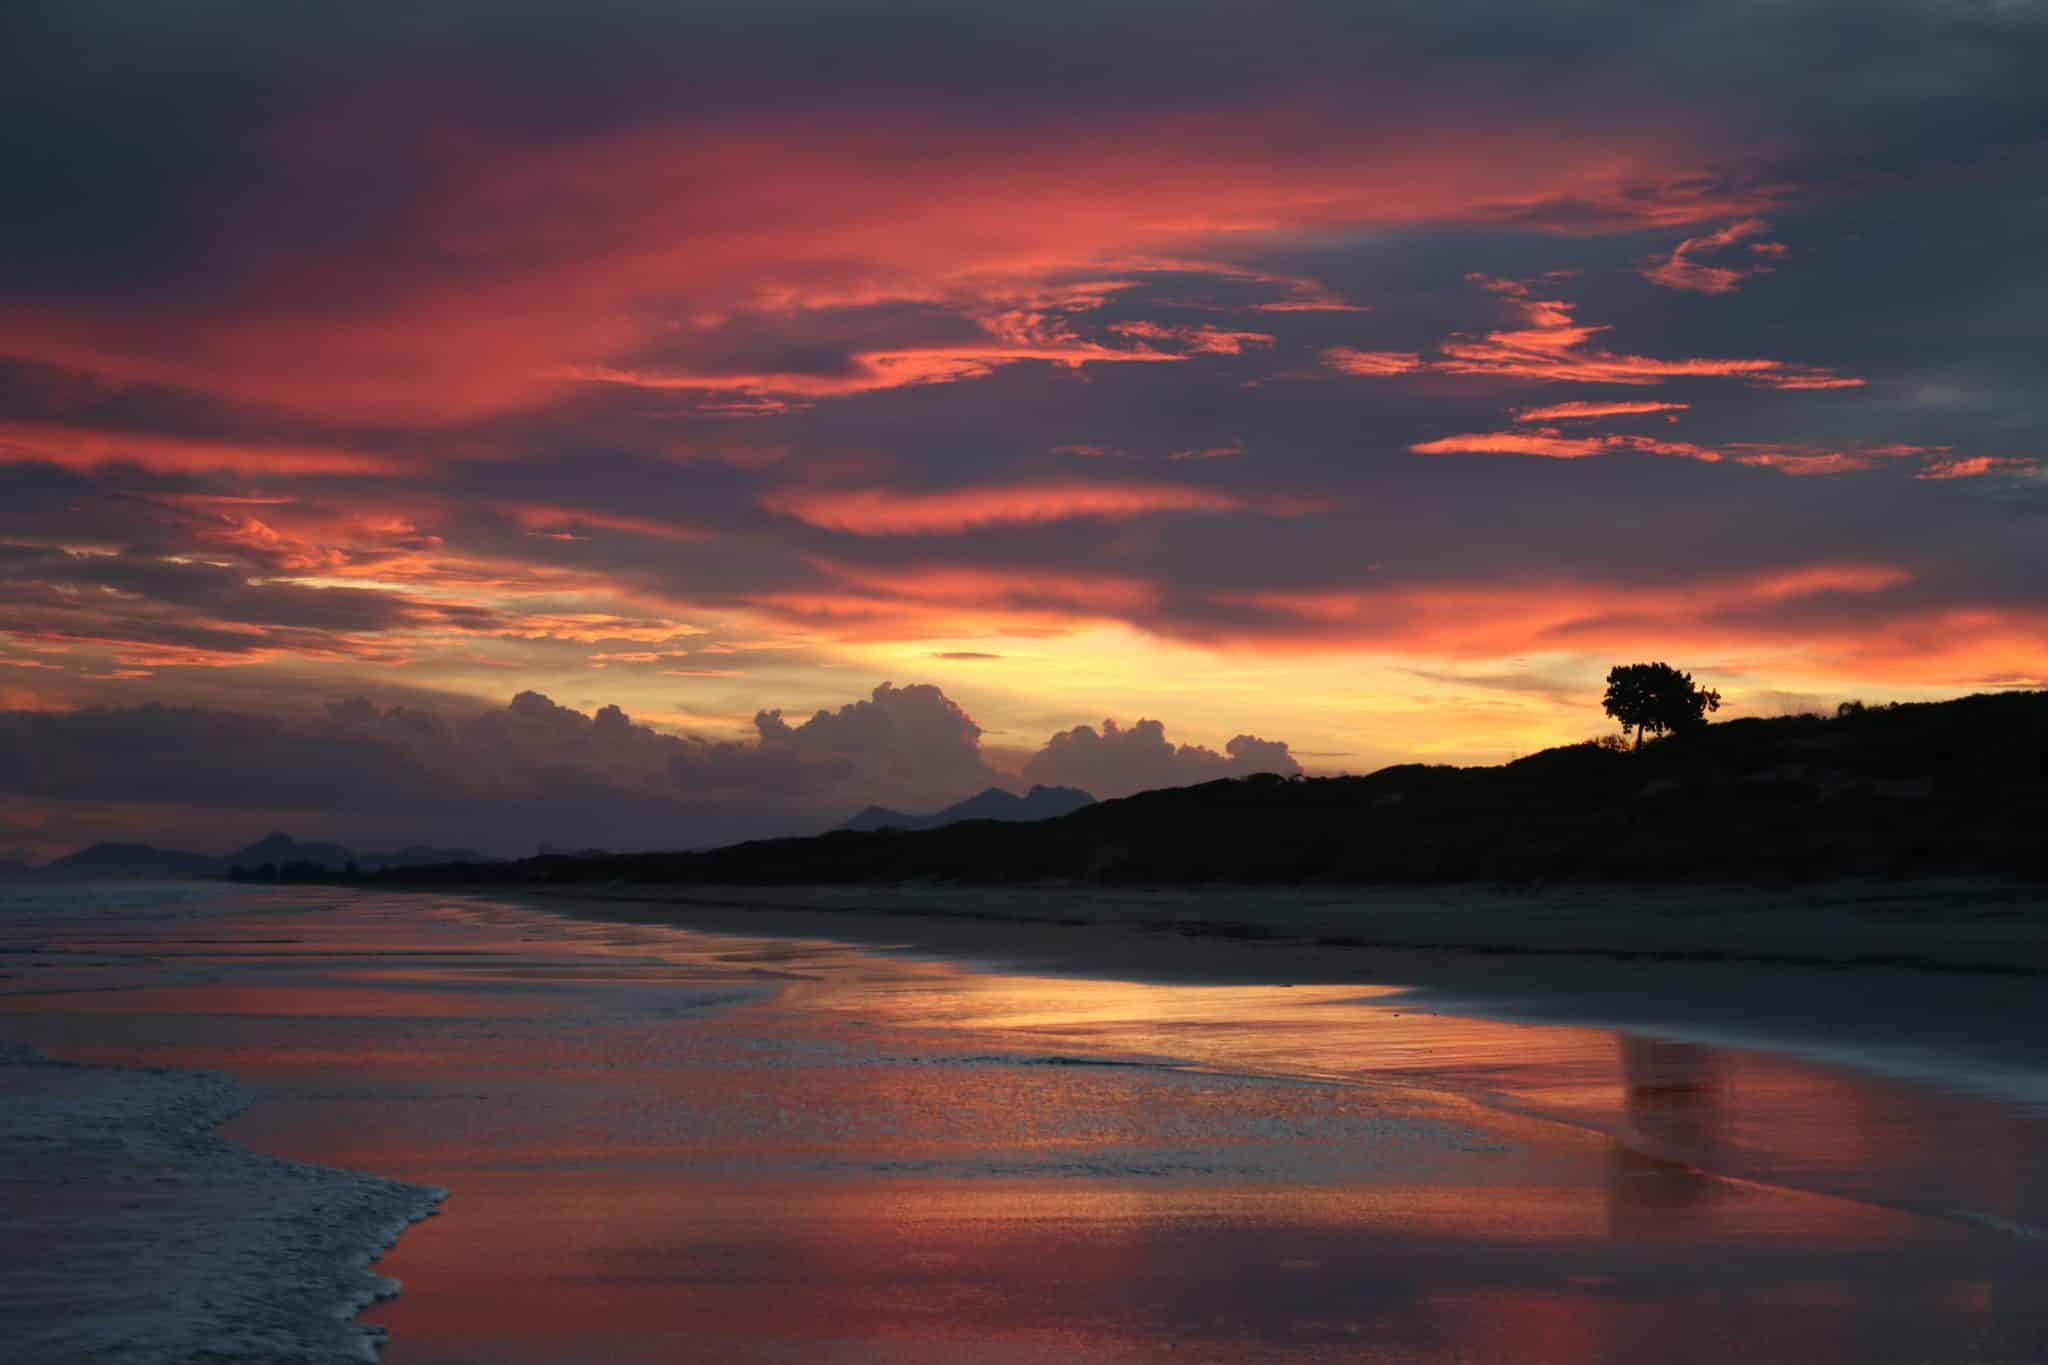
[
  {"x": 1041, "y": 803},
  {"x": 129, "y": 862},
  {"x": 416, "y": 855},
  {"x": 268, "y": 858},
  {"x": 282, "y": 848},
  {"x": 1948, "y": 788},
  {"x": 10, "y": 868}
]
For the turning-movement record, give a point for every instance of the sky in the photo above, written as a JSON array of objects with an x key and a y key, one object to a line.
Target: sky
[{"x": 645, "y": 424}]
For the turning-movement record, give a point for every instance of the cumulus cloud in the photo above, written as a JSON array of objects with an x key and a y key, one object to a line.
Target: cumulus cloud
[
  {"x": 500, "y": 780},
  {"x": 907, "y": 744},
  {"x": 508, "y": 779},
  {"x": 1115, "y": 761}
]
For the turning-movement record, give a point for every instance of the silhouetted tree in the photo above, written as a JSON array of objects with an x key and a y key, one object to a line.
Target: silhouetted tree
[{"x": 1656, "y": 699}]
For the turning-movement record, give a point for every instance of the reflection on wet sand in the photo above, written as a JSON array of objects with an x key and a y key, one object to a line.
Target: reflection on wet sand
[
  {"x": 1675, "y": 1120},
  {"x": 677, "y": 1147}
]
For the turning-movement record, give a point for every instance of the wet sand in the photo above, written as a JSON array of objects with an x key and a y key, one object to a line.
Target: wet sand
[
  {"x": 666, "y": 1144},
  {"x": 1940, "y": 982}
]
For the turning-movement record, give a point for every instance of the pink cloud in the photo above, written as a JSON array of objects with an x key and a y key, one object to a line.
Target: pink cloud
[
  {"x": 1682, "y": 270},
  {"x": 1347, "y": 360},
  {"x": 1196, "y": 340},
  {"x": 885, "y": 512}
]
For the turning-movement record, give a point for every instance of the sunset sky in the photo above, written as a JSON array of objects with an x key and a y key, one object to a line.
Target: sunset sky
[{"x": 1353, "y": 382}]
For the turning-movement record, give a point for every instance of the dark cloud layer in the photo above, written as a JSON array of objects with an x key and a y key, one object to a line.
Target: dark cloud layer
[{"x": 533, "y": 772}]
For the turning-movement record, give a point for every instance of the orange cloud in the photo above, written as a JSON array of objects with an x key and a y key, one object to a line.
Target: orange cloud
[
  {"x": 1551, "y": 346},
  {"x": 1805, "y": 460},
  {"x": 1793, "y": 458},
  {"x": 1680, "y": 269},
  {"x": 1573, "y": 412},
  {"x": 1826, "y": 620},
  {"x": 882, "y": 512},
  {"x": 1976, "y": 466},
  {"x": 1553, "y": 444},
  {"x": 874, "y": 371},
  {"x": 595, "y": 627}
]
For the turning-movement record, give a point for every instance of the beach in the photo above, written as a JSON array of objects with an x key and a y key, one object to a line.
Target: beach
[
  {"x": 1937, "y": 980},
  {"x": 927, "y": 1124}
]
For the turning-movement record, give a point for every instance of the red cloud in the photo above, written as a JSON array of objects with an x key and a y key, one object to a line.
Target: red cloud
[
  {"x": 482, "y": 267},
  {"x": 85, "y": 448},
  {"x": 1680, "y": 270}
]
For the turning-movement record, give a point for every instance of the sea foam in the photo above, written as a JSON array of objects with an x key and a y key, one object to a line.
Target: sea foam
[{"x": 142, "y": 1235}]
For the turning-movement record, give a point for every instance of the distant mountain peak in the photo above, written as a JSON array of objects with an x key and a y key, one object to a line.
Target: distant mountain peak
[{"x": 992, "y": 803}]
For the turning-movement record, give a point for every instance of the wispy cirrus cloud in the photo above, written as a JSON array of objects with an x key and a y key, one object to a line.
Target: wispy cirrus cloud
[
  {"x": 1550, "y": 346},
  {"x": 1351, "y": 360},
  {"x": 1580, "y": 411},
  {"x": 1785, "y": 457},
  {"x": 1552, "y": 443},
  {"x": 1976, "y": 466},
  {"x": 1682, "y": 268},
  {"x": 1199, "y": 339}
]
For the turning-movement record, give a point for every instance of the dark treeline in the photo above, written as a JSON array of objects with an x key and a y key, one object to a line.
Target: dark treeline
[{"x": 1936, "y": 789}]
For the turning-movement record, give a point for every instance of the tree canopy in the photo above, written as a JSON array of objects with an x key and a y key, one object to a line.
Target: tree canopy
[{"x": 1657, "y": 699}]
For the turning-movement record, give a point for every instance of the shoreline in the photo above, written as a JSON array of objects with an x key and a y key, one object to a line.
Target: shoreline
[
  {"x": 183, "y": 1243},
  {"x": 1932, "y": 983}
]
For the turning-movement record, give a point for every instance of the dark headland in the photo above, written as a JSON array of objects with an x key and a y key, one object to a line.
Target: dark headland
[{"x": 1914, "y": 791}]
